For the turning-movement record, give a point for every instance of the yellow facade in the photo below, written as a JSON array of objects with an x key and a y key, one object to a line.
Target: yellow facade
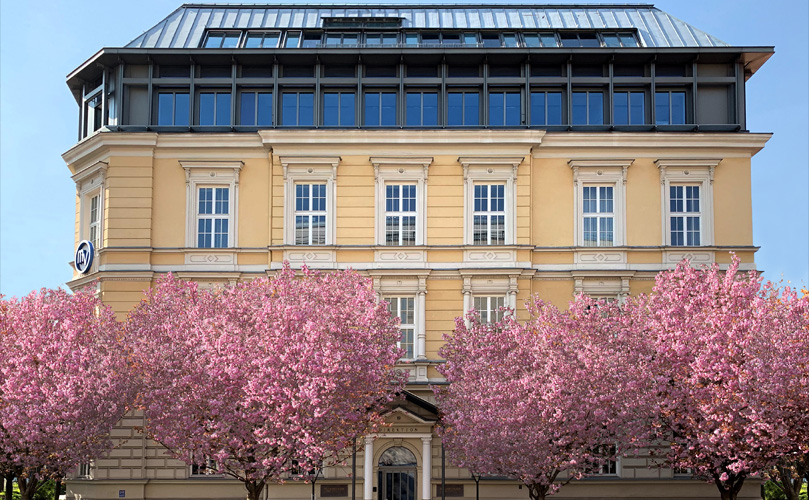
[{"x": 146, "y": 182}]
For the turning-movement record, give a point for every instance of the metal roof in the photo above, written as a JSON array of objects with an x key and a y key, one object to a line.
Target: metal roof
[{"x": 185, "y": 27}]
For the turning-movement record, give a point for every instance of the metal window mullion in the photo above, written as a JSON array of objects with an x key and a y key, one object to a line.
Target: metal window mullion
[{"x": 233, "y": 72}]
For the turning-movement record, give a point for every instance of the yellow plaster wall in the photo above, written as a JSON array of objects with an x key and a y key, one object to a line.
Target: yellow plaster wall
[
  {"x": 733, "y": 211},
  {"x": 552, "y": 204},
  {"x": 445, "y": 202},
  {"x": 128, "y": 202},
  {"x": 254, "y": 203},
  {"x": 355, "y": 202},
  {"x": 558, "y": 291},
  {"x": 643, "y": 204},
  {"x": 169, "y": 220},
  {"x": 444, "y": 302}
]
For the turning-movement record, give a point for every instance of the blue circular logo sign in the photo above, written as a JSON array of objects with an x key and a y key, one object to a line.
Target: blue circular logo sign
[{"x": 84, "y": 256}]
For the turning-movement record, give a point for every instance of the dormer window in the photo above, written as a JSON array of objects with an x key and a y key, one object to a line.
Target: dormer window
[
  {"x": 579, "y": 39},
  {"x": 222, "y": 40},
  {"x": 619, "y": 40},
  {"x": 261, "y": 39}
]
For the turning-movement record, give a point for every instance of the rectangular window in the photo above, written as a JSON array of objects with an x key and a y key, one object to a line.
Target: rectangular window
[
  {"x": 491, "y": 39},
  {"x": 214, "y": 108},
  {"x": 258, "y": 40},
  {"x": 338, "y": 109},
  {"x": 212, "y": 217},
  {"x": 685, "y": 214},
  {"x": 489, "y": 308},
  {"x": 205, "y": 469},
  {"x": 400, "y": 214},
  {"x": 256, "y": 109},
  {"x": 504, "y": 109},
  {"x": 310, "y": 214},
  {"x": 292, "y": 40},
  {"x": 463, "y": 109},
  {"x": 222, "y": 40},
  {"x": 297, "y": 109},
  {"x": 422, "y": 109},
  {"x": 380, "y": 109},
  {"x": 598, "y": 216},
  {"x": 588, "y": 108},
  {"x": 172, "y": 108},
  {"x": 670, "y": 108},
  {"x": 546, "y": 108},
  {"x": 628, "y": 108},
  {"x": 609, "y": 467},
  {"x": 404, "y": 309},
  {"x": 83, "y": 470},
  {"x": 94, "y": 228},
  {"x": 489, "y": 215},
  {"x": 381, "y": 38}
]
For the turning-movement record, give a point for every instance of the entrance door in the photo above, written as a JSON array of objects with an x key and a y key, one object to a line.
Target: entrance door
[
  {"x": 397, "y": 484},
  {"x": 397, "y": 474}
]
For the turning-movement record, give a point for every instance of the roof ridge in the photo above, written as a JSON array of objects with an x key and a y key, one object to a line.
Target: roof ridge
[{"x": 420, "y": 5}]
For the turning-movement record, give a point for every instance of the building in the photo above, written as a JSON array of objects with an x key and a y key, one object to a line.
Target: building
[{"x": 460, "y": 155}]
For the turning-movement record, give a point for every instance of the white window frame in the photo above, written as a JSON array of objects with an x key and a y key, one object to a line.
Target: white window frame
[
  {"x": 310, "y": 213},
  {"x": 489, "y": 284},
  {"x": 211, "y": 174},
  {"x": 597, "y": 173},
  {"x": 396, "y": 311},
  {"x": 209, "y": 466},
  {"x": 213, "y": 217},
  {"x": 406, "y": 284},
  {"x": 309, "y": 170},
  {"x": 688, "y": 172},
  {"x": 490, "y": 170},
  {"x": 490, "y": 312},
  {"x": 84, "y": 470},
  {"x": 401, "y": 170},
  {"x": 601, "y": 286},
  {"x": 90, "y": 182}
]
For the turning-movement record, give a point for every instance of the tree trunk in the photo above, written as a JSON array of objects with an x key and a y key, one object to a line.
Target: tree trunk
[
  {"x": 9, "y": 485},
  {"x": 791, "y": 486},
  {"x": 254, "y": 489},
  {"x": 58, "y": 488},
  {"x": 729, "y": 490},
  {"x": 28, "y": 486},
  {"x": 537, "y": 491}
]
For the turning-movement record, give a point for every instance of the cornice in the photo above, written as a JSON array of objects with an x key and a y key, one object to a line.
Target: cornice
[
  {"x": 100, "y": 143},
  {"x": 740, "y": 143},
  {"x": 286, "y": 137}
]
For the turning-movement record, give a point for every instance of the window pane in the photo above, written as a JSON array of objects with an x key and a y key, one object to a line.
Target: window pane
[
  {"x": 589, "y": 201},
  {"x": 480, "y": 230},
  {"x": 496, "y": 111},
  {"x": 596, "y": 108},
  {"x": 231, "y": 40},
  {"x": 491, "y": 39},
  {"x": 661, "y": 108},
  {"x": 372, "y": 108},
  {"x": 388, "y": 109},
  {"x": 222, "y": 109},
  {"x": 471, "y": 113},
  {"x": 331, "y": 109},
  {"x": 220, "y": 239},
  {"x": 204, "y": 227},
  {"x": 538, "y": 108},
  {"x": 548, "y": 40},
  {"x": 676, "y": 199},
  {"x": 531, "y": 40},
  {"x": 611, "y": 40},
  {"x": 181, "y": 108},
  {"x": 455, "y": 108},
  {"x": 214, "y": 40},
  {"x": 222, "y": 201},
  {"x": 430, "y": 109},
  {"x": 606, "y": 232},
  {"x": 292, "y": 40},
  {"x": 589, "y": 40},
  {"x": 579, "y": 108},
  {"x": 206, "y": 108},
  {"x": 621, "y": 108},
  {"x": 206, "y": 200},
  {"x": 253, "y": 40},
  {"x": 678, "y": 108},
  {"x": 554, "y": 108},
  {"x": 247, "y": 110},
  {"x": 637, "y": 115},
  {"x": 302, "y": 230},
  {"x": 165, "y": 109},
  {"x": 307, "y": 109},
  {"x": 470, "y": 38},
  {"x": 289, "y": 109},
  {"x": 510, "y": 39},
  {"x": 413, "y": 109},
  {"x": 513, "y": 108},
  {"x": 628, "y": 40},
  {"x": 265, "y": 109},
  {"x": 590, "y": 233}
]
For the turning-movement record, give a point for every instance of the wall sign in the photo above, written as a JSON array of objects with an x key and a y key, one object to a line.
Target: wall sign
[{"x": 84, "y": 256}]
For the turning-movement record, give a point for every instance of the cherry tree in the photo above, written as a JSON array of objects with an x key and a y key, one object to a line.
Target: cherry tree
[
  {"x": 731, "y": 366},
  {"x": 64, "y": 382},
  {"x": 254, "y": 376},
  {"x": 558, "y": 396}
]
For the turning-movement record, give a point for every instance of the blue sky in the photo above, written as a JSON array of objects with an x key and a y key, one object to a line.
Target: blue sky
[{"x": 41, "y": 42}]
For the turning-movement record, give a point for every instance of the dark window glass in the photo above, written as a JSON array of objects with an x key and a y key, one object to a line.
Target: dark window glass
[
  {"x": 338, "y": 109},
  {"x": 380, "y": 109},
  {"x": 504, "y": 108},
  {"x": 548, "y": 40},
  {"x": 555, "y": 70},
  {"x": 422, "y": 71},
  {"x": 339, "y": 71},
  {"x": 214, "y": 108},
  {"x": 450, "y": 39},
  {"x": 214, "y": 40},
  {"x": 297, "y": 109},
  {"x": 491, "y": 39},
  {"x": 546, "y": 108},
  {"x": 470, "y": 39},
  {"x": 588, "y": 70},
  {"x": 510, "y": 39},
  {"x": 172, "y": 108},
  {"x": 496, "y": 70},
  {"x": 532, "y": 40},
  {"x": 256, "y": 71},
  {"x": 628, "y": 108},
  {"x": 214, "y": 71},
  {"x": 256, "y": 109},
  {"x": 588, "y": 108},
  {"x": 670, "y": 70},
  {"x": 611, "y": 40},
  {"x": 627, "y": 70},
  {"x": 464, "y": 71},
  {"x": 380, "y": 71},
  {"x": 569, "y": 40},
  {"x": 253, "y": 40},
  {"x": 463, "y": 108},
  {"x": 411, "y": 38},
  {"x": 670, "y": 108},
  {"x": 422, "y": 109},
  {"x": 299, "y": 71},
  {"x": 589, "y": 40},
  {"x": 429, "y": 39},
  {"x": 311, "y": 39},
  {"x": 174, "y": 71},
  {"x": 628, "y": 39}
]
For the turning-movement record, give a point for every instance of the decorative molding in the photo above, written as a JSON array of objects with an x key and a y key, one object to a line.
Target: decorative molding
[
  {"x": 211, "y": 173},
  {"x": 686, "y": 164},
  {"x": 738, "y": 145},
  {"x": 490, "y": 163},
  {"x": 401, "y": 164},
  {"x": 312, "y": 162}
]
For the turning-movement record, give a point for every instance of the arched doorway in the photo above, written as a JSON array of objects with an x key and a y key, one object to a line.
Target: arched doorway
[{"x": 397, "y": 474}]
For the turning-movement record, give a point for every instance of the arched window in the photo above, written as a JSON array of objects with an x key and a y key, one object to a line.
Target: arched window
[{"x": 397, "y": 456}]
